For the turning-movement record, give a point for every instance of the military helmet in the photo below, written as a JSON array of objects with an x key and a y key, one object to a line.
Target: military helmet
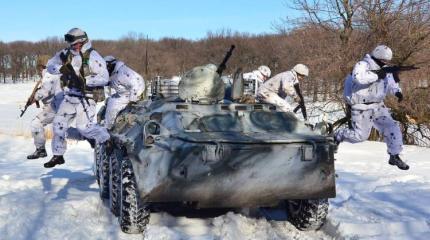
[
  {"x": 110, "y": 59},
  {"x": 110, "y": 63},
  {"x": 301, "y": 69},
  {"x": 265, "y": 70},
  {"x": 42, "y": 60},
  {"x": 75, "y": 35},
  {"x": 382, "y": 52}
]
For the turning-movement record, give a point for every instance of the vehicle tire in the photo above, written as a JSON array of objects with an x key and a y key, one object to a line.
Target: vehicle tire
[
  {"x": 97, "y": 162},
  {"x": 133, "y": 213},
  {"x": 103, "y": 172},
  {"x": 114, "y": 181},
  {"x": 306, "y": 215}
]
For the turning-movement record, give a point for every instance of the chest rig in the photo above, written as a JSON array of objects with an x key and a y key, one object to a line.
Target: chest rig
[{"x": 79, "y": 82}]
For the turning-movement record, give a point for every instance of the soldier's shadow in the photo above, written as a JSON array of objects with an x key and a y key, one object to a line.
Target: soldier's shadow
[{"x": 78, "y": 180}]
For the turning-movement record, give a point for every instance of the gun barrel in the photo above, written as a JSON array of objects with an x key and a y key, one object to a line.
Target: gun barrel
[
  {"x": 393, "y": 69},
  {"x": 222, "y": 66}
]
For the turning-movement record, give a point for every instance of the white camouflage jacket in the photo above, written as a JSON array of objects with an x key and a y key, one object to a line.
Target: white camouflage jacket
[
  {"x": 126, "y": 82},
  {"x": 99, "y": 75},
  {"x": 363, "y": 88},
  {"x": 281, "y": 83},
  {"x": 50, "y": 91}
]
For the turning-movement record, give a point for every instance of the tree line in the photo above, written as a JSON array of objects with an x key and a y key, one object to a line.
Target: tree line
[{"x": 330, "y": 37}]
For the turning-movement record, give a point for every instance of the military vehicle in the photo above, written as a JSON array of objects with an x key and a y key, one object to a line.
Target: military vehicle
[{"x": 200, "y": 149}]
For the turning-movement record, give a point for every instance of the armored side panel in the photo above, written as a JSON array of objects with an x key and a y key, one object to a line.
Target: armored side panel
[
  {"x": 224, "y": 155},
  {"x": 237, "y": 88}
]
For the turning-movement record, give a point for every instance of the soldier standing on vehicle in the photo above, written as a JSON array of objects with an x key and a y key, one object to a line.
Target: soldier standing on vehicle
[
  {"x": 258, "y": 77},
  {"x": 83, "y": 74},
  {"x": 128, "y": 86},
  {"x": 51, "y": 95},
  {"x": 365, "y": 90},
  {"x": 283, "y": 83}
]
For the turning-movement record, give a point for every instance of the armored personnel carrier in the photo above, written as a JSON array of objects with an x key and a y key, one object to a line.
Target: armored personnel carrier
[{"x": 198, "y": 148}]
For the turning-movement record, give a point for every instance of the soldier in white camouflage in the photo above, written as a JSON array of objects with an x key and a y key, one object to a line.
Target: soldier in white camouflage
[
  {"x": 51, "y": 95},
  {"x": 83, "y": 74},
  {"x": 258, "y": 77},
  {"x": 128, "y": 86},
  {"x": 282, "y": 83},
  {"x": 364, "y": 91}
]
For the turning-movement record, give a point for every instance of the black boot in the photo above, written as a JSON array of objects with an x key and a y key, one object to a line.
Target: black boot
[
  {"x": 395, "y": 160},
  {"x": 39, "y": 153},
  {"x": 56, "y": 159}
]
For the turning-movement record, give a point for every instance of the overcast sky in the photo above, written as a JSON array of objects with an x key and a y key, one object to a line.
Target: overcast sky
[{"x": 191, "y": 19}]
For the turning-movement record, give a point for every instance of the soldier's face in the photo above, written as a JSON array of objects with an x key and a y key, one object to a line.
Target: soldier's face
[
  {"x": 300, "y": 77},
  {"x": 77, "y": 46}
]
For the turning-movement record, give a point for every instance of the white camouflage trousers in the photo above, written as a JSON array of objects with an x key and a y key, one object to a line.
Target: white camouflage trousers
[
  {"x": 83, "y": 113},
  {"x": 38, "y": 124},
  {"x": 273, "y": 98},
  {"x": 45, "y": 117},
  {"x": 115, "y": 104},
  {"x": 362, "y": 123}
]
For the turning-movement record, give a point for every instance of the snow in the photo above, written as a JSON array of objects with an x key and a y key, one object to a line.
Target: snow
[{"x": 374, "y": 200}]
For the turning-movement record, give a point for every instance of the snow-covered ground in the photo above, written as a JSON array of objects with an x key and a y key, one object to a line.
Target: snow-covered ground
[{"x": 374, "y": 200}]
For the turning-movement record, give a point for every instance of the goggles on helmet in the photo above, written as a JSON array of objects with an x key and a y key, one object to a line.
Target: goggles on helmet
[{"x": 70, "y": 38}]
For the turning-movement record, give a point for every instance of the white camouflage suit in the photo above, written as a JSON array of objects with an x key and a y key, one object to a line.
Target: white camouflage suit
[
  {"x": 128, "y": 86},
  {"x": 282, "y": 83},
  {"x": 365, "y": 93},
  {"x": 51, "y": 95},
  {"x": 78, "y": 109}
]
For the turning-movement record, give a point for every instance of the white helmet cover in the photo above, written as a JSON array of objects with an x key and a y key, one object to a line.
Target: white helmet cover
[
  {"x": 109, "y": 59},
  {"x": 301, "y": 69},
  {"x": 75, "y": 35},
  {"x": 265, "y": 70},
  {"x": 382, "y": 52}
]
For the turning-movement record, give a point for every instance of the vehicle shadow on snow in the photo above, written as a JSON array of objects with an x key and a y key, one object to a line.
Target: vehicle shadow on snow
[
  {"x": 78, "y": 180},
  {"x": 276, "y": 213},
  {"x": 189, "y": 211}
]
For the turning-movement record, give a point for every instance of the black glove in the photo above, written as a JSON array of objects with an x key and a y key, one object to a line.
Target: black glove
[
  {"x": 396, "y": 77},
  {"x": 381, "y": 73},
  {"x": 399, "y": 96},
  {"x": 66, "y": 69},
  {"x": 63, "y": 57}
]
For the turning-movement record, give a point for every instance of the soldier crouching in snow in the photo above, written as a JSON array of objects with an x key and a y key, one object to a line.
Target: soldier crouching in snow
[
  {"x": 128, "y": 86},
  {"x": 365, "y": 91},
  {"x": 83, "y": 72},
  {"x": 282, "y": 83}
]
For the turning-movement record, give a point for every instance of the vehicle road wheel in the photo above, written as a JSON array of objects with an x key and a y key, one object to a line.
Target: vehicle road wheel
[
  {"x": 133, "y": 213},
  {"x": 114, "y": 182},
  {"x": 103, "y": 172},
  {"x": 307, "y": 214}
]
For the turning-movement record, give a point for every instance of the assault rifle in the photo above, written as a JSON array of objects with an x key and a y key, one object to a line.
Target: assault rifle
[
  {"x": 69, "y": 77},
  {"x": 395, "y": 70},
  {"x": 301, "y": 103},
  {"x": 223, "y": 65},
  {"x": 30, "y": 99}
]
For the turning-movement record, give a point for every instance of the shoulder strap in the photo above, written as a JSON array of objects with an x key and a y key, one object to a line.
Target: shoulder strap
[{"x": 86, "y": 55}]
